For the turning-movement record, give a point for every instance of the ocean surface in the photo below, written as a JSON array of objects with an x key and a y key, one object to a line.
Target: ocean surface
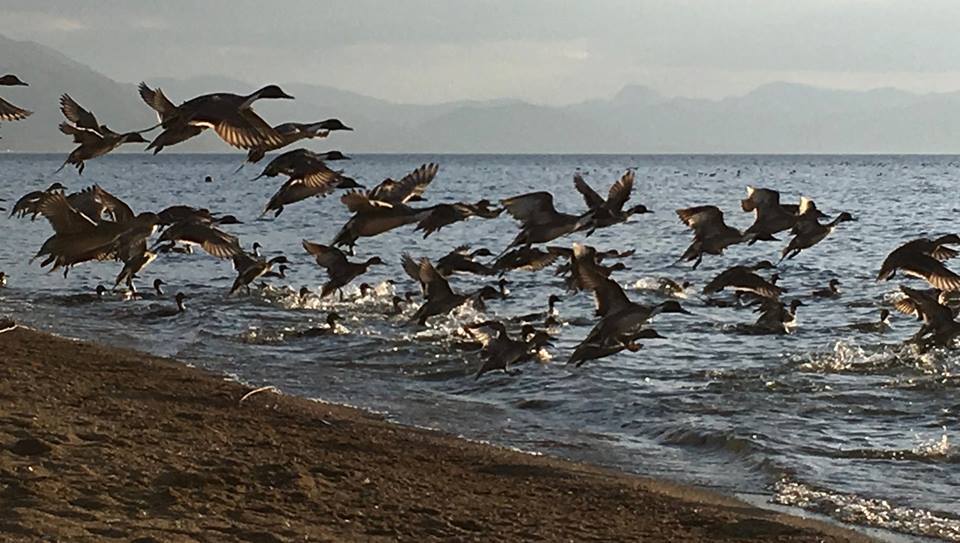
[{"x": 851, "y": 425}]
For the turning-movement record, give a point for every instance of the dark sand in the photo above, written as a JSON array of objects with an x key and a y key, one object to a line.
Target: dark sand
[{"x": 101, "y": 444}]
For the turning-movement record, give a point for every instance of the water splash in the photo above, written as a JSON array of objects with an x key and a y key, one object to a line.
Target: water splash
[{"x": 867, "y": 511}]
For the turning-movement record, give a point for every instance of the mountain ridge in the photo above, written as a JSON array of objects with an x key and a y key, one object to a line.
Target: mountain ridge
[{"x": 778, "y": 117}]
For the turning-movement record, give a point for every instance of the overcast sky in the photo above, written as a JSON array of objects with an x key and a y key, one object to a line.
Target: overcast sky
[{"x": 543, "y": 51}]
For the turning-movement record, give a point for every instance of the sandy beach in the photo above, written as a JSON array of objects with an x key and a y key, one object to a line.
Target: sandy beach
[{"x": 103, "y": 444}]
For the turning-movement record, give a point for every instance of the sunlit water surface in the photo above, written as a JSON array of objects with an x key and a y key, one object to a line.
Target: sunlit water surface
[{"x": 848, "y": 424}]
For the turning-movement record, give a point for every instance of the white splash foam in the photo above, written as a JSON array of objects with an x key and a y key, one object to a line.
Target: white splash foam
[{"x": 867, "y": 511}]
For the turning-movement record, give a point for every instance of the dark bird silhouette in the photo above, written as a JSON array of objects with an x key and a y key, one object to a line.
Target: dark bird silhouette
[
  {"x": 340, "y": 270},
  {"x": 385, "y": 207},
  {"x": 710, "y": 234},
  {"x": 93, "y": 139},
  {"x": 249, "y": 268},
  {"x": 607, "y": 212},
  {"x": 293, "y": 132},
  {"x": 832, "y": 290},
  {"x": 501, "y": 352},
  {"x": 770, "y": 216},
  {"x": 524, "y": 258},
  {"x": 808, "y": 231},
  {"x": 446, "y": 214},
  {"x": 939, "y": 327},
  {"x": 874, "y": 327},
  {"x": 621, "y": 320},
  {"x": 81, "y": 236},
  {"x": 461, "y": 259},
  {"x": 539, "y": 219},
  {"x": 923, "y": 258},
  {"x": 29, "y": 204},
  {"x": 776, "y": 317},
  {"x": 167, "y": 312},
  {"x": 8, "y": 111},
  {"x": 745, "y": 279},
  {"x": 229, "y": 115},
  {"x": 311, "y": 179},
  {"x": 440, "y": 299}
]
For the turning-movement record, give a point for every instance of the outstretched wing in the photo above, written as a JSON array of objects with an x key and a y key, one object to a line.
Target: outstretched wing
[
  {"x": 10, "y": 112},
  {"x": 75, "y": 113},
  {"x": 590, "y": 196}
]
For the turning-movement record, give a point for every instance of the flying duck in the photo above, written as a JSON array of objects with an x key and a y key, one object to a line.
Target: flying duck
[
  {"x": 297, "y": 162},
  {"x": 540, "y": 221},
  {"x": 607, "y": 212},
  {"x": 29, "y": 204},
  {"x": 777, "y": 318},
  {"x": 710, "y": 234},
  {"x": 311, "y": 179},
  {"x": 808, "y": 231},
  {"x": 923, "y": 258},
  {"x": 461, "y": 259},
  {"x": 385, "y": 207},
  {"x": 94, "y": 139},
  {"x": 79, "y": 238},
  {"x": 501, "y": 352},
  {"x": 524, "y": 258},
  {"x": 770, "y": 216},
  {"x": 340, "y": 270},
  {"x": 195, "y": 230},
  {"x": 621, "y": 320},
  {"x": 939, "y": 327},
  {"x": 745, "y": 279},
  {"x": 229, "y": 115},
  {"x": 446, "y": 214},
  {"x": 440, "y": 299},
  {"x": 249, "y": 268},
  {"x": 8, "y": 111},
  {"x": 294, "y": 132}
]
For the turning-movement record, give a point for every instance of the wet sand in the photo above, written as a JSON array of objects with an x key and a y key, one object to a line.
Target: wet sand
[{"x": 104, "y": 444}]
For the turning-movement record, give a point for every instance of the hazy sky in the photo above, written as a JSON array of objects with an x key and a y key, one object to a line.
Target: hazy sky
[{"x": 539, "y": 50}]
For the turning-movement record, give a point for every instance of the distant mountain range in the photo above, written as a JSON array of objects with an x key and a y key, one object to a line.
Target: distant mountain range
[{"x": 774, "y": 118}]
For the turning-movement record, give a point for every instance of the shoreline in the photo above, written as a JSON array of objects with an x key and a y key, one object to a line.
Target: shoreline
[{"x": 107, "y": 444}]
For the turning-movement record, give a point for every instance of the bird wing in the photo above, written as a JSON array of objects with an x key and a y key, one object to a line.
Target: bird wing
[
  {"x": 328, "y": 257},
  {"x": 412, "y": 268},
  {"x": 62, "y": 216},
  {"x": 531, "y": 209},
  {"x": 81, "y": 136},
  {"x": 620, "y": 191},
  {"x": 411, "y": 186},
  {"x": 434, "y": 284},
  {"x": 75, "y": 113},
  {"x": 590, "y": 196},
  {"x": 608, "y": 295},
  {"x": 703, "y": 220},
  {"x": 117, "y": 208},
  {"x": 157, "y": 101},
  {"x": 357, "y": 201},
  {"x": 214, "y": 241},
  {"x": 10, "y": 112},
  {"x": 927, "y": 306}
]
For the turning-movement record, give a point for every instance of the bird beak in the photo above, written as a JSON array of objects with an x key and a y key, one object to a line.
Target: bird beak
[
  {"x": 345, "y": 127},
  {"x": 287, "y": 96}
]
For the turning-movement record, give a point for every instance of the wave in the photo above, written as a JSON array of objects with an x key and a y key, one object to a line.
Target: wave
[{"x": 874, "y": 512}]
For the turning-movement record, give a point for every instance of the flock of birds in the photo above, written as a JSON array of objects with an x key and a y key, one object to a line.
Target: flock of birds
[{"x": 94, "y": 225}]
